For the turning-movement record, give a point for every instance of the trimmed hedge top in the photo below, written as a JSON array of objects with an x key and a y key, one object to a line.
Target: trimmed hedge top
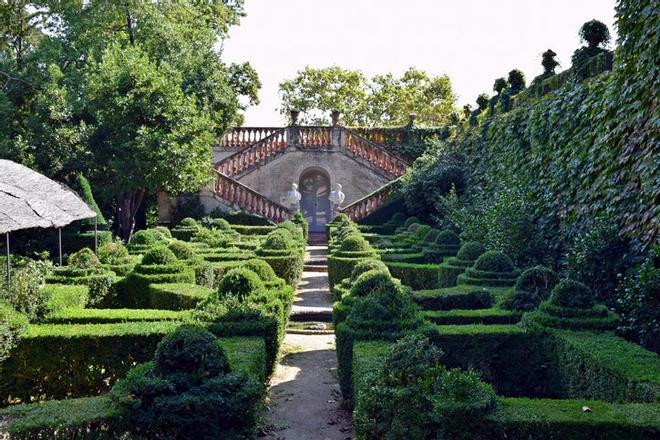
[
  {"x": 470, "y": 251},
  {"x": 144, "y": 237},
  {"x": 354, "y": 243},
  {"x": 240, "y": 282},
  {"x": 409, "y": 221},
  {"x": 448, "y": 237},
  {"x": 372, "y": 281},
  {"x": 113, "y": 253},
  {"x": 84, "y": 259},
  {"x": 494, "y": 261},
  {"x": 181, "y": 249},
  {"x": 159, "y": 256},
  {"x": 261, "y": 268},
  {"x": 366, "y": 266},
  {"x": 573, "y": 294}
]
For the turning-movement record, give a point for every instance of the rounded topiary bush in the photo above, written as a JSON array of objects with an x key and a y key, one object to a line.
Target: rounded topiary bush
[
  {"x": 188, "y": 222},
  {"x": 522, "y": 300},
  {"x": 112, "y": 253},
  {"x": 221, "y": 223},
  {"x": 431, "y": 236},
  {"x": 373, "y": 281},
  {"x": 279, "y": 239},
  {"x": 538, "y": 279},
  {"x": 397, "y": 218},
  {"x": 354, "y": 243},
  {"x": 409, "y": 221},
  {"x": 573, "y": 294},
  {"x": 239, "y": 282},
  {"x": 84, "y": 259},
  {"x": 190, "y": 350},
  {"x": 144, "y": 237},
  {"x": 162, "y": 233},
  {"x": 261, "y": 268},
  {"x": 181, "y": 249},
  {"x": 422, "y": 230},
  {"x": 295, "y": 230},
  {"x": 470, "y": 251},
  {"x": 413, "y": 227},
  {"x": 494, "y": 261},
  {"x": 367, "y": 265},
  {"x": 447, "y": 237},
  {"x": 159, "y": 255}
]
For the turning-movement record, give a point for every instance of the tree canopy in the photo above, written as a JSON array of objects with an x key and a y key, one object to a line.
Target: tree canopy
[{"x": 383, "y": 100}]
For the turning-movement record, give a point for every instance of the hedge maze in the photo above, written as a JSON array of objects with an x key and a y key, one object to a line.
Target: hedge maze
[
  {"x": 224, "y": 292},
  {"x": 522, "y": 353}
]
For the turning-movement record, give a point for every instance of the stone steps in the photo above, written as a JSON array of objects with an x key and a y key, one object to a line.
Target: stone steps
[{"x": 309, "y": 314}]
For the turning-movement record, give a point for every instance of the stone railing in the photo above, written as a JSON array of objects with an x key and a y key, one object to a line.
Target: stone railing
[
  {"x": 265, "y": 148},
  {"x": 382, "y": 135},
  {"x": 374, "y": 154},
  {"x": 237, "y": 194},
  {"x": 366, "y": 205},
  {"x": 311, "y": 137},
  {"x": 242, "y": 137}
]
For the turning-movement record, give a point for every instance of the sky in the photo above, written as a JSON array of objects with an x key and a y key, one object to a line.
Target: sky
[{"x": 472, "y": 41}]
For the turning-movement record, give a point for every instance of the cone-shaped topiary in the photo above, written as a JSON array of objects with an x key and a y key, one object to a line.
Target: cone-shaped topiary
[
  {"x": 574, "y": 294},
  {"x": 159, "y": 255},
  {"x": 240, "y": 282}
]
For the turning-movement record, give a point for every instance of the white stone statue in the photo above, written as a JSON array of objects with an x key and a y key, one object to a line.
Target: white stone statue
[
  {"x": 336, "y": 197},
  {"x": 292, "y": 198}
]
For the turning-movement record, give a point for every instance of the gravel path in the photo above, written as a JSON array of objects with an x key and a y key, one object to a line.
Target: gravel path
[{"x": 304, "y": 397}]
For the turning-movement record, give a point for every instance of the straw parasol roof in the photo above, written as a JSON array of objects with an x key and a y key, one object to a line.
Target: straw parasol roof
[{"x": 31, "y": 200}]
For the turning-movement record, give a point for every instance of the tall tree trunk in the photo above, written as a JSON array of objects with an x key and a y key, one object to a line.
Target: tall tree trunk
[{"x": 128, "y": 204}]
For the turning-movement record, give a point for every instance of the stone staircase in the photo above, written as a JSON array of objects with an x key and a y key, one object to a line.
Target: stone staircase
[{"x": 312, "y": 307}]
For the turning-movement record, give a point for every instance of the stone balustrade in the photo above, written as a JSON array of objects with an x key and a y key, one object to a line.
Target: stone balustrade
[
  {"x": 267, "y": 147},
  {"x": 237, "y": 194},
  {"x": 374, "y": 154},
  {"x": 363, "y": 207},
  {"x": 242, "y": 137}
]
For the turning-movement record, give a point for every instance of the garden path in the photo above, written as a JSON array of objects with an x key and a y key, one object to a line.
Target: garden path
[{"x": 304, "y": 399}]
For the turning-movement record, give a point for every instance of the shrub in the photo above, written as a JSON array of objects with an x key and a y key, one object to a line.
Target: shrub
[
  {"x": 413, "y": 227},
  {"x": 639, "y": 303},
  {"x": 598, "y": 259},
  {"x": 372, "y": 281},
  {"x": 523, "y": 300},
  {"x": 188, "y": 391},
  {"x": 538, "y": 279},
  {"x": 84, "y": 259},
  {"x": 365, "y": 266},
  {"x": 470, "y": 251},
  {"x": 85, "y": 191},
  {"x": 354, "y": 243},
  {"x": 261, "y": 268},
  {"x": 221, "y": 223},
  {"x": 239, "y": 282},
  {"x": 431, "y": 236},
  {"x": 280, "y": 239},
  {"x": 159, "y": 256},
  {"x": 295, "y": 230},
  {"x": 24, "y": 293},
  {"x": 574, "y": 294},
  {"x": 12, "y": 324},
  {"x": 101, "y": 291},
  {"x": 595, "y": 33},
  {"x": 112, "y": 253},
  {"x": 188, "y": 222},
  {"x": 447, "y": 237},
  {"x": 411, "y": 395},
  {"x": 409, "y": 221},
  {"x": 214, "y": 238},
  {"x": 494, "y": 261},
  {"x": 162, "y": 233},
  {"x": 144, "y": 237},
  {"x": 182, "y": 250}
]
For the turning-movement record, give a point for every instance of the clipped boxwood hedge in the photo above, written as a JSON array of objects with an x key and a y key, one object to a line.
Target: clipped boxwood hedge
[{"x": 417, "y": 276}]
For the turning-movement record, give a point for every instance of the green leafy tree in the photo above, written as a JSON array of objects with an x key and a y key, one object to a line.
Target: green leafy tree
[
  {"x": 149, "y": 134},
  {"x": 384, "y": 100}
]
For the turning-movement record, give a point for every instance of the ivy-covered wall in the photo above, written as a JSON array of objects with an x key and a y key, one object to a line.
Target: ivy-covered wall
[{"x": 587, "y": 149}]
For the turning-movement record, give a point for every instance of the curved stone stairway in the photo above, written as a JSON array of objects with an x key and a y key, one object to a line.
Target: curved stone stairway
[{"x": 304, "y": 401}]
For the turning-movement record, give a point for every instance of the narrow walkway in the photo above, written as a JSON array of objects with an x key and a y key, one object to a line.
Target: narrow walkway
[{"x": 304, "y": 397}]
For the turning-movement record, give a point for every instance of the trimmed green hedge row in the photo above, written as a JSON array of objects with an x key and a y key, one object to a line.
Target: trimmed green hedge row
[
  {"x": 92, "y": 417},
  {"x": 479, "y": 316},
  {"x": 417, "y": 276},
  {"x": 75, "y": 315},
  {"x": 176, "y": 296}
]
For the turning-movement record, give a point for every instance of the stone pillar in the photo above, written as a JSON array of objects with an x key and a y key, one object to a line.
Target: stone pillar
[
  {"x": 293, "y": 136},
  {"x": 335, "y": 130}
]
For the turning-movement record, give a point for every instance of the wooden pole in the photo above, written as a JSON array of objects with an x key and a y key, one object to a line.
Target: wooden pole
[
  {"x": 59, "y": 243},
  {"x": 8, "y": 262},
  {"x": 96, "y": 233}
]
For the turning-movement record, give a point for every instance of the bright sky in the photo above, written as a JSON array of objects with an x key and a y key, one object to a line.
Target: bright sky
[{"x": 472, "y": 41}]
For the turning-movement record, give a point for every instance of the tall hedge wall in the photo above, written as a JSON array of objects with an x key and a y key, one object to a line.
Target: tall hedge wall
[{"x": 586, "y": 149}]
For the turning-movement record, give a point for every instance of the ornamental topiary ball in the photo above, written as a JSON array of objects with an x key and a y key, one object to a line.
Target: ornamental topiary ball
[
  {"x": 279, "y": 239},
  {"x": 261, "y": 268},
  {"x": 413, "y": 227},
  {"x": 470, "y": 251},
  {"x": 239, "y": 282},
  {"x": 398, "y": 217},
  {"x": 572, "y": 294},
  {"x": 354, "y": 243},
  {"x": 373, "y": 281},
  {"x": 409, "y": 221},
  {"x": 367, "y": 265},
  {"x": 221, "y": 223},
  {"x": 112, "y": 253},
  {"x": 162, "y": 233},
  {"x": 159, "y": 255},
  {"x": 538, "y": 279},
  {"x": 431, "y": 236},
  {"x": 144, "y": 237},
  {"x": 181, "y": 249},
  {"x": 84, "y": 259},
  {"x": 448, "y": 237},
  {"x": 191, "y": 350},
  {"x": 494, "y": 261},
  {"x": 188, "y": 222}
]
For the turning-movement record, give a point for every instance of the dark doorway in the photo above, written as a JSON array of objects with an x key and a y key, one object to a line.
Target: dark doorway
[{"x": 315, "y": 206}]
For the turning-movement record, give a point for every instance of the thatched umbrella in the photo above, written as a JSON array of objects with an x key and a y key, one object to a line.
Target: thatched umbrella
[{"x": 31, "y": 200}]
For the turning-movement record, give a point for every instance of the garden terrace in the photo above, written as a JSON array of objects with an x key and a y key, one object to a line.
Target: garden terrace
[{"x": 544, "y": 372}]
